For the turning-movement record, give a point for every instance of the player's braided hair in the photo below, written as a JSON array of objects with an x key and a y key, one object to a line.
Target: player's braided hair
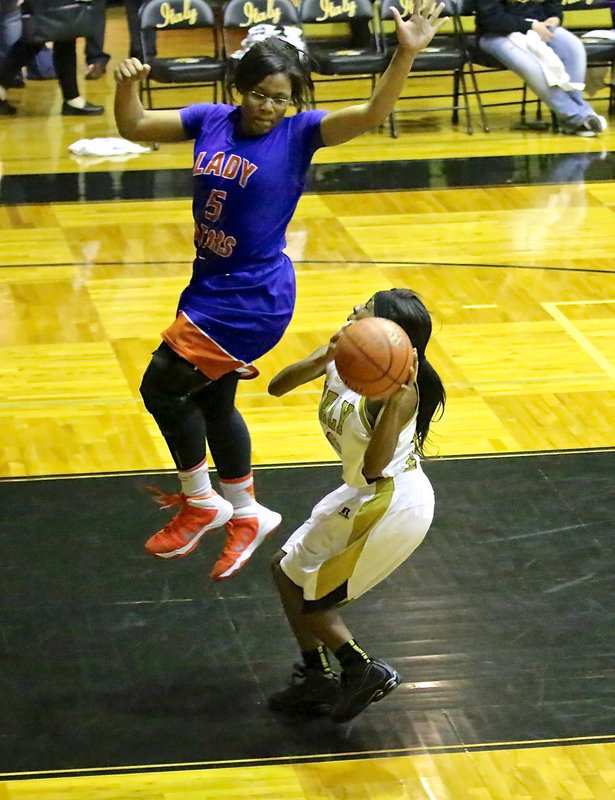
[
  {"x": 406, "y": 308},
  {"x": 271, "y": 56}
]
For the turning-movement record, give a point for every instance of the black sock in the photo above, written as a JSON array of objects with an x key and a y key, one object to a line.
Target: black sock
[
  {"x": 317, "y": 659},
  {"x": 350, "y": 654}
]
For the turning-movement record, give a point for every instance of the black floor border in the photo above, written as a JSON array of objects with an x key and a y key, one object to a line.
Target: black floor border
[
  {"x": 336, "y": 178},
  {"x": 560, "y": 471}
]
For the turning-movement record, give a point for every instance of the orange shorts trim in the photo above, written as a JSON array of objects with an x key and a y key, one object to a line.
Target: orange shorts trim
[{"x": 191, "y": 343}]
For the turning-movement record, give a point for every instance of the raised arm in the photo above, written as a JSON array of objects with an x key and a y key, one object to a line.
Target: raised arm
[
  {"x": 398, "y": 411},
  {"x": 413, "y": 35},
  {"x": 133, "y": 121},
  {"x": 304, "y": 371}
]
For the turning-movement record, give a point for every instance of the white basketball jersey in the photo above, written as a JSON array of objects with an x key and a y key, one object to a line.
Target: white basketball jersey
[{"x": 344, "y": 421}]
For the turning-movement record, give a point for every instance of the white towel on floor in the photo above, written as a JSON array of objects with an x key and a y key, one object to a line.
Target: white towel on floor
[
  {"x": 552, "y": 67},
  {"x": 105, "y": 146}
]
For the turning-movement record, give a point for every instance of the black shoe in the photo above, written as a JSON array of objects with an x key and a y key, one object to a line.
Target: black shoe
[
  {"x": 6, "y": 109},
  {"x": 88, "y": 110},
  {"x": 310, "y": 693},
  {"x": 361, "y": 686}
]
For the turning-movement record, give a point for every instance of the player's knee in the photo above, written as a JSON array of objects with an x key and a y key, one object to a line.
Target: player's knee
[{"x": 162, "y": 389}]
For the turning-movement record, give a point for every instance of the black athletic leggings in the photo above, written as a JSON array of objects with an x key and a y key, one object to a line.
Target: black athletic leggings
[
  {"x": 64, "y": 61},
  {"x": 189, "y": 409}
]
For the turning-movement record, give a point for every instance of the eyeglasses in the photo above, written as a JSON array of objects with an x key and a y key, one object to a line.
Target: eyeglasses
[{"x": 261, "y": 99}]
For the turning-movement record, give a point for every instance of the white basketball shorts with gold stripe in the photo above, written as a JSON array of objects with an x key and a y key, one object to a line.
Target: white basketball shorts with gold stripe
[{"x": 355, "y": 538}]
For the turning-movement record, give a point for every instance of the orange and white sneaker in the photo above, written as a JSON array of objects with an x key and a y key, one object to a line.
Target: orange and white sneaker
[
  {"x": 245, "y": 531},
  {"x": 195, "y": 517}
]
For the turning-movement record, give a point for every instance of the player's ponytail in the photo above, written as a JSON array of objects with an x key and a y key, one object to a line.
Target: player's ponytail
[{"x": 406, "y": 308}]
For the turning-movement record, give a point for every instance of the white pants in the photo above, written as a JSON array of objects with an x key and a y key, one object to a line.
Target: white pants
[{"x": 355, "y": 538}]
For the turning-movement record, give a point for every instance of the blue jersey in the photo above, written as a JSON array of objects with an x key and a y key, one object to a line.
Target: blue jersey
[{"x": 246, "y": 189}]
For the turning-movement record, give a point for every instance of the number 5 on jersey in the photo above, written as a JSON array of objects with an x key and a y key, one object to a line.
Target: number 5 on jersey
[{"x": 215, "y": 202}]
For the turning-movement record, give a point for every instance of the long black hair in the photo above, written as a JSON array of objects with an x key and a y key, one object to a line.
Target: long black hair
[
  {"x": 271, "y": 56},
  {"x": 406, "y": 308}
]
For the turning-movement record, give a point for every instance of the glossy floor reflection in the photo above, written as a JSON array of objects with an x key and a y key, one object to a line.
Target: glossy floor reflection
[
  {"x": 324, "y": 178},
  {"x": 501, "y": 624}
]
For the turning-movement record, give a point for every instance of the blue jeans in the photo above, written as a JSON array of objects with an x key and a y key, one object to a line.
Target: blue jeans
[
  {"x": 571, "y": 53},
  {"x": 10, "y": 27},
  {"x": 64, "y": 61}
]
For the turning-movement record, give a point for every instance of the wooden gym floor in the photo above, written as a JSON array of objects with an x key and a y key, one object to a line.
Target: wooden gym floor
[{"x": 128, "y": 678}]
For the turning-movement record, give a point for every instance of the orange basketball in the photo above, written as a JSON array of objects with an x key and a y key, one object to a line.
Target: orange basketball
[{"x": 373, "y": 356}]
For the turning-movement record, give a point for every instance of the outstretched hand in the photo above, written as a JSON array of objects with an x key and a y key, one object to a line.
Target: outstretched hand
[
  {"x": 418, "y": 30},
  {"x": 130, "y": 70}
]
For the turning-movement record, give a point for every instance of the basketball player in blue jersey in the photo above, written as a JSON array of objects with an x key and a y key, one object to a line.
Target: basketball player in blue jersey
[
  {"x": 358, "y": 534},
  {"x": 250, "y": 167}
]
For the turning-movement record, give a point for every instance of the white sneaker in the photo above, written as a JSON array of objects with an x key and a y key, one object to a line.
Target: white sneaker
[{"x": 245, "y": 531}]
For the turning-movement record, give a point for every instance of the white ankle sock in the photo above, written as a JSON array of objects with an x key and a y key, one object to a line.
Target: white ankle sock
[
  {"x": 196, "y": 481},
  {"x": 239, "y": 491}
]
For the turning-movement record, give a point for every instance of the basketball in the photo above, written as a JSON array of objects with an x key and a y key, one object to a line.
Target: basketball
[{"x": 373, "y": 356}]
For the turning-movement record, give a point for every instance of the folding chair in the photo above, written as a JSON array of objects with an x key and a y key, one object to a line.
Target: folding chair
[
  {"x": 180, "y": 25},
  {"x": 582, "y": 17},
  {"x": 444, "y": 57},
  {"x": 334, "y": 55}
]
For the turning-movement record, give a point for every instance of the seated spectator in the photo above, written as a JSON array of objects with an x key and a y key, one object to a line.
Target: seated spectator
[
  {"x": 19, "y": 53},
  {"x": 65, "y": 63},
  {"x": 550, "y": 59}
]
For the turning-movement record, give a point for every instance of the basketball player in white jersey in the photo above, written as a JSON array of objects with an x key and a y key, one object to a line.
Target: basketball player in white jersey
[{"x": 358, "y": 534}]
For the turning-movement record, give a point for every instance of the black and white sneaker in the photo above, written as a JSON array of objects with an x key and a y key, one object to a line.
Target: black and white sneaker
[
  {"x": 367, "y": 683},
  {"x": 581, "y": 129},
  {"x": 596, "y": 123},
  {"x": 576, "y": 125},
  {"x": 310, "y": 693}
]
